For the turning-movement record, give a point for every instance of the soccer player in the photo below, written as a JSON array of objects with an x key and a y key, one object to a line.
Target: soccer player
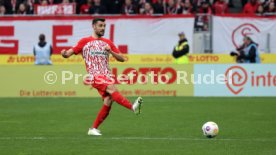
[{"x": 95, "y": 51}]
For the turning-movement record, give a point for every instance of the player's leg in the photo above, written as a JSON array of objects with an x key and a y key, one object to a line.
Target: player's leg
[
  {"x": 117, "y": 97},
  {"x": 103, "y": 113}
]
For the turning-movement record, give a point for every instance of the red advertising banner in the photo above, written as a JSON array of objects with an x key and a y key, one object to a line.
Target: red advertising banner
[{"x": 56, "y": 9}]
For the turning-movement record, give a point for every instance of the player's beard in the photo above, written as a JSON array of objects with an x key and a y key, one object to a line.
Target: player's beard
[{"x": 100, "y": 33}]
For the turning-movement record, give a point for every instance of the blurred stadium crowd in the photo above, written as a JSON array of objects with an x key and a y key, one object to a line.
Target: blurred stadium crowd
[{"x": 144, "y": 7}]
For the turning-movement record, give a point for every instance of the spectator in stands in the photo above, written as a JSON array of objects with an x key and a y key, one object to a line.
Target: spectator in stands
[
  {"x": 205, "y": 8},
  {"x": 172, "y": 7},
  {"x": 16, "y": 4},
  {"x": 22, "y": 9},
  {"x": 78, "y": 4},
  {"x": 113, "y": 6},
  {"x": 220, "y": 7},
  {"x": 243, "y": 3},
  {"x": 51, "y": 2},
  {"x": 181, "y": 50},
  {"x": 44, "y": 2},
  {"x": 186, "y": 7},
  {"x": 97, "y": 8},
  {"x": 158, "y": 6},
  {"x": 30, "y": 6},
  {"x": 146, "y": 9},
  {"x": 266, "y": 4},
  {"x": 129, "y": 8},
  {"x": 43, "y": 51},
  {"x": 55, "y": 1},
  {"x": 197, "y": 4},
  {"x": 230, "y": 3},
  {"x": 84, "y": 9},
  {"x": 65, "y": 1},
  {"x": 250, "y": 7},
  {"x": 141, "y": 3},
  {"x": 2, "y": 10},
  {"x": 8, "y": 6},
  {"x": 260, "y": 10},
  {"x": 271, "y": 8}
]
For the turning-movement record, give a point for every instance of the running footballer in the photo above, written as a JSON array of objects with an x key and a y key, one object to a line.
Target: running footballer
[{"x": 95, "y": 51}]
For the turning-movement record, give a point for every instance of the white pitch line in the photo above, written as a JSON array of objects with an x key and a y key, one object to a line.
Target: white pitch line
[{"x": 136, "y": 138}]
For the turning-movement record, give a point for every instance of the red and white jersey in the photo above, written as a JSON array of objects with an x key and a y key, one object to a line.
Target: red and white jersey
[{"x": 94, "y": 55}]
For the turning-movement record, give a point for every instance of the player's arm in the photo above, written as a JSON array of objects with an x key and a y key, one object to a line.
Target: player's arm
[
  {"x": 67, "y": 53},
  {"x": 117, "y": 56},
  {"x": 74, "y": 50}
]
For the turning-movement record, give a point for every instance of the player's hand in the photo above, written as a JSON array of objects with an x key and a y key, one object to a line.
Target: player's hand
[
  {"x": 63, "y": 53},
  {"x": 67, "y": 53},
  {"x": 107, "y": 48}
]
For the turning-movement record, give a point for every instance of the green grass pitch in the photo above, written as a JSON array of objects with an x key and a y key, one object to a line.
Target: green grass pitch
[{"x": 167, "y": 125}]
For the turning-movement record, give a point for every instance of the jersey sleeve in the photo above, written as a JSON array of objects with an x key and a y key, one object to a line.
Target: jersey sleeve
[
  {"x": 113, "y": 47},
  {"x": 78, "y": 47}
]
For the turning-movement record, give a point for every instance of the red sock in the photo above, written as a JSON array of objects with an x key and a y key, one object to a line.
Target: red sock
[
  {"x": 101, "y": 116},
  {"x": 117, "y": 97}
]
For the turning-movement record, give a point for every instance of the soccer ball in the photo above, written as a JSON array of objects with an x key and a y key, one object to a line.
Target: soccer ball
[{"x": 210, "y": 129}]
